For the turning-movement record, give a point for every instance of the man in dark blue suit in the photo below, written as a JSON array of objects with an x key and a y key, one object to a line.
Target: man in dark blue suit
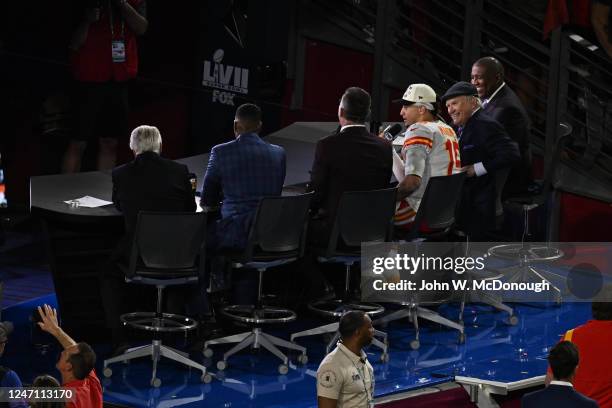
[
  {"x": 238, "y": 175},
  {"x": 563, "y": 360},
  {"x": 502, "y": 104},
  {"x": 485, "y": 149}
]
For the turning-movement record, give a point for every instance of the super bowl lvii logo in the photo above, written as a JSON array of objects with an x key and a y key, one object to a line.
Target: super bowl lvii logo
[{"x": 226, "y": 77}]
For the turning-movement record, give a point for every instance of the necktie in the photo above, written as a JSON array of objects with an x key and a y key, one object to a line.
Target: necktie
[{"x": 459, "y": 132}]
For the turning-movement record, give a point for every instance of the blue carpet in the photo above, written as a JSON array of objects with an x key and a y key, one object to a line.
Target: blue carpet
[
  {"x": 493, "y": 351},
  {"x": 24, "y": 272},
  {"x": 27, "y": 360},
  {"x": 25, "y": 283}
]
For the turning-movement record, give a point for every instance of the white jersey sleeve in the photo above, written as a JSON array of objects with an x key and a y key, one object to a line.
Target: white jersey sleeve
[
  {"x": 398, "y": 166},
  {"x": 417, "y": 146},
  {"x": 430, "y": 150}
]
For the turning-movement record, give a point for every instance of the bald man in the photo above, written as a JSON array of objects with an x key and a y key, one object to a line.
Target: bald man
[{"x": 502, "y": 104}]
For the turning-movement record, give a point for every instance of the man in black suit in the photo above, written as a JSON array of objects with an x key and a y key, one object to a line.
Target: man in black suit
[
  {"x": 148, "y": 183},
  {"x": 502, "y": 104},
  {"x": 351, "y": 159},
  {"x": 485, "y": 149},
  {"x": 563, "y": 360}
]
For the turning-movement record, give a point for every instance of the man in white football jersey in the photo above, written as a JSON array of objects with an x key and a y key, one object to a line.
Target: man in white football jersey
[{"x": 430, "y": 149}]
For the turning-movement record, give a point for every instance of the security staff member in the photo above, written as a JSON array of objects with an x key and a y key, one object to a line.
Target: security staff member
[{"x": 345, "y": 378}]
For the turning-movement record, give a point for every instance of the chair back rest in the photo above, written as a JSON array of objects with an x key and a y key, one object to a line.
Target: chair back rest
[
  {"x": 363, "y": 216},
  {"x": 279, "y": 225},
  {"x": 501, "y": 176},
  {"x": 563, "y": 135},
  {"x": 439, "y": 203},
  {"x": 169, "y": 240}
]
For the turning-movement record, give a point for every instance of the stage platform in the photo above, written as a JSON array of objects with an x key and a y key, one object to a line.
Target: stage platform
[{"x": 495, "y": 356}]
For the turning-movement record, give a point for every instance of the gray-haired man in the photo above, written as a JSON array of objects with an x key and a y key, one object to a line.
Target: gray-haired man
[{"x": 147, "y": 183}]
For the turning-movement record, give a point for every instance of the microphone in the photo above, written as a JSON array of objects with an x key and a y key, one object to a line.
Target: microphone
[{"x": 391, "y": 132}]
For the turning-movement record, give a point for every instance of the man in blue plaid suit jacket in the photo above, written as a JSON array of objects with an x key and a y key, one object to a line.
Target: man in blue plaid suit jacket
[{"x": 238, "y": 175}]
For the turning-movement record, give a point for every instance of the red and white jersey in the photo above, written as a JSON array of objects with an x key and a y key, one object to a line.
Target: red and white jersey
[{"x": 437, "y": 143}]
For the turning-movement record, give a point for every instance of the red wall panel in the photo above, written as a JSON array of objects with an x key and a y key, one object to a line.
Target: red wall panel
[
  {"x": 584, "y": 219},
  {"x": 328, "y": 71}
]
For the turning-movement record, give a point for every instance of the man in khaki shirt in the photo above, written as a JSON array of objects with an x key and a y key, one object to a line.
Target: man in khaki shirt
[{"x": 345, "y": 378}]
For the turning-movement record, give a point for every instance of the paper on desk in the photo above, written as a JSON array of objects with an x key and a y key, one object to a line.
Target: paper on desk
[{"x": 89, "y": 202}]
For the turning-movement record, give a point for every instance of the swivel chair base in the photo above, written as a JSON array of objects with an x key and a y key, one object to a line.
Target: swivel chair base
[
  {"x": 256, "y": 338},
  {"x": 158, "y": 323},
  {"x": 481, "y": 296},
  {"x": 334, "y": 309},
  {"x": 414, "y": 312},
  {"x": 527, "y": 273},
  {"x": 524, "y": 271},
  {"x": 156, "y": 350},
  {"x": 333, "y": 328}
]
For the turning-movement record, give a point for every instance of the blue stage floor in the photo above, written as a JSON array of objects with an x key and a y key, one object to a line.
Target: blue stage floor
[{"x": 493, "y": 351}]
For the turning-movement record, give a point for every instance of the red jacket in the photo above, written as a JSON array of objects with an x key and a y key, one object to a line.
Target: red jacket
[{"x": 93, "y": 61}]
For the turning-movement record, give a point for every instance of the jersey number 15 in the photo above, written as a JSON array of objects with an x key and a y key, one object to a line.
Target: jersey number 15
[{"x": 452, "y": 147}]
